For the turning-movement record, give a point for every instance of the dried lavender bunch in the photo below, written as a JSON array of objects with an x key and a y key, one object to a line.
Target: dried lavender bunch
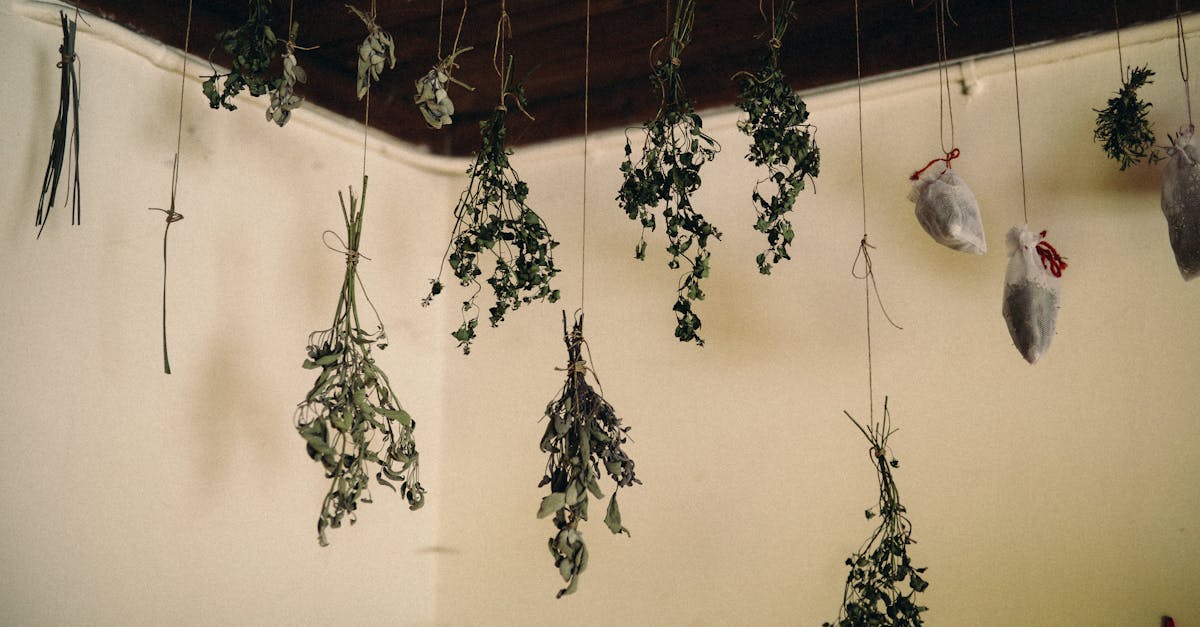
[
  {"x": 583, "y": 434},
  {"x": 668, "y": 172},
  {"x": 351, "y": 420}
]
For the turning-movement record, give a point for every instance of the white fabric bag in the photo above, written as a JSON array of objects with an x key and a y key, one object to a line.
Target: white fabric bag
[
  {"x": 946, "y": 207},
  {"x": 1181, "y": 202},
  {"x": 1031, "y": 291}
]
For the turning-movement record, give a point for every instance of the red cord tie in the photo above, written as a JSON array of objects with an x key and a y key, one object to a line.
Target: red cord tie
[
  {"x": 1051, "y": 260},
  {"x": 950, "y": 156}
]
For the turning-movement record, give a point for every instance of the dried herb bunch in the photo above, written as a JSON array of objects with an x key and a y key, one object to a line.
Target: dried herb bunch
[
  {"x": 351, "y": 418},
  {"x": 583, "y": 434},
  {"x": 372, "y": 52},
  {"x": 68, "y": 113},
  {"x": 253, "y": 47},
  {"x": 492, "y": 216},
  {"x": 431, "y": 98},
  {"x": 781, "y": 140},
  {"x": 1123, "y": 127},
  {"x": 872, "y": 595},
  {"x": 668, "y": 172}
]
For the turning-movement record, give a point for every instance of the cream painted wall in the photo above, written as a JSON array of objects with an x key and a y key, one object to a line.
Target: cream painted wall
[
  {"x": 131, "y": 497},
  {"x": 1047, "y": 495}
]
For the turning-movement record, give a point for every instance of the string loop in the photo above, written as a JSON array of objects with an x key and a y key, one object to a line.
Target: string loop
[
  {"x": 1051, "y": 260},
  {"x": 352, "y": 256},
  {"x": 950, "y": 156}
]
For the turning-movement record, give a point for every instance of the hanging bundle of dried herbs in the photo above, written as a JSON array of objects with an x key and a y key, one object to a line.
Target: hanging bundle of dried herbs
[
  {"x": 372, "y": 52},
  {"x": 583, "y": 435},
  {"x": 873, "y": 593},
  {"x": 68, "y": 112},
  {"x": 351, "y": 419},
  {"x": 781, "y": 140},
  {"x": 1123, "y": 127},
  {"x": 668, "y": 172},
  {"x": 431, "y": 98},
  {"x": 492, "y": 217},
  {"x": 253, "y": 47}
]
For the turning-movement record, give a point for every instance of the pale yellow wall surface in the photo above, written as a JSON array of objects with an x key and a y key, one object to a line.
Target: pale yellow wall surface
[{"x": 1058, "y": 494}]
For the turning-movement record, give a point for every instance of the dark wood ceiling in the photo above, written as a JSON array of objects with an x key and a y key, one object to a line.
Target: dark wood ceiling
[{"x": 548, "y": 44}]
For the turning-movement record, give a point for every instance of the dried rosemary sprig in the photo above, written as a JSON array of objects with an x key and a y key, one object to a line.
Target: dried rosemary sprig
[
  {"x": 873, "y": 595},
  {"x": 582, "y": 433},
  {"x": 351, "y": 418},
  {"x": 491, "y": 216},
  {"x": 253, "y": 47},
  {"x": 68, "y": 112},
  {"x": 781, "y": 139},
  {"x": 372, "y": 51},
  {"x": 668, "y": 172},
  {"x": 1123, "y": 127}
]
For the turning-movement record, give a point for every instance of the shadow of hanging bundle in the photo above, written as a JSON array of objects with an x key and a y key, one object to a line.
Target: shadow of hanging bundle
[{"x": 68, "y": 112}]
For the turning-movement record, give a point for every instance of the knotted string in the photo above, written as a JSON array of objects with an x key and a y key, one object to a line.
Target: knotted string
[
  {"x": 950, "y": 156},
  {"x": 352, "y": 255},
  {"x": 1051, "y": 260}
]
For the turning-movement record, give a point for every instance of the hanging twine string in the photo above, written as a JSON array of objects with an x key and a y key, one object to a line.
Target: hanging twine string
[
  {"x": 945, "y": 106},
  {"x": 503, "y": 31},
  {"x": 1051, "y": 260},
  {"x": 172, "y": 214},
  {"x": 352, "y": 255},
  {"x": 1120, "y": 56},
  {"x": 1012, "y": 30},
  {"x": 587, "y": 83},
  {"x": 950, "y": 156},
  {"x": 1184, "y": 69}
]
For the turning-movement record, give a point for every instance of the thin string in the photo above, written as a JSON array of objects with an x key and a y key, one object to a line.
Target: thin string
[
  {"x": 1012, "y": 30},
  {"x": 587, "y": 80},
  {"x": 441, "y": 17},
  {"x": 1120, "y": 56},
  {"x": 1184, "y": 68},
  {"x": 862, "y": 248},
  {"x": 172, "y": 215},
  {"x": 943, "y": 52},
  {"x": 503, "y": 31}
]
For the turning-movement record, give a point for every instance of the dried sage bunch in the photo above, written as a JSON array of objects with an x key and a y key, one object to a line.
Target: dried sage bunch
[
  {"x": 492, "y": 216},
  {"x": 668, "y": 172},
  {"x": 781, "y": 139},
  {"x": 583, "y": 435},
  {"x": 432, "y": 99},
  {"x": 351, "y": 419},
  {"x": 873, "y": 593},
  {"x": 1123, "y": 127},
  {"x": 253, "y": 47},
  {"x": 372, "y": 51},
  {"x": 68, "y": 113}
]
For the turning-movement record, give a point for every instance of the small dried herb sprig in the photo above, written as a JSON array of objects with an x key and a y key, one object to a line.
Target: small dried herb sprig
[
  {"x": 1123, "y": 127},
  {"x": 351, "y": 419},
  {"x": 781, "y": 139},
  {"x": 253, "y": 47},
  {"x": 668, "y": 172},
  {"x": 68, "y": 113},
  {"x": 583, "y": 434},
  {"x": 431, "y": 98},
  {"x": 492, "y": 216},
  {"x": 873, "y": 594},
  {"x": 377, "y": 48}
]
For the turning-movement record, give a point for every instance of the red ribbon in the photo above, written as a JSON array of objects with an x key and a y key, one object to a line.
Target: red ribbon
[
  {"x": 1051, "y": 260},
  {"x": 950, "y": 156}
]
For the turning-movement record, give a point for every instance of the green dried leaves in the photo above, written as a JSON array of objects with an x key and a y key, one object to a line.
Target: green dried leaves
[
  {"x": 873, "y": 593},
  {"x": 68, "y": 113},
  {"x": 1123, "y": 127},
  {"x": 492, "y": 217},
  {"x": 583, "y": 435},
  {"x": 253, "y": 47},
  {"x": 431, "y": 98},
  {"x": 373, "y": 52},
  {"x": 668, "y": 172},
  {"x": 350, "y": 420},
  {"x": 781, "y": 140}
]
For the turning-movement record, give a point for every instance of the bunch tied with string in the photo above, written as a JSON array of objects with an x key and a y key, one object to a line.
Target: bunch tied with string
[
  {"x": 62, "y": 143},
  {"x": 432, "y": 97},
  {"x": 495, "y": 231},
  {"x": 781, "y": 139},
  {"x": 668, "y": 173},
  {"x": 1123, "y": 126},
  {"x": 253, "y": 48}
]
